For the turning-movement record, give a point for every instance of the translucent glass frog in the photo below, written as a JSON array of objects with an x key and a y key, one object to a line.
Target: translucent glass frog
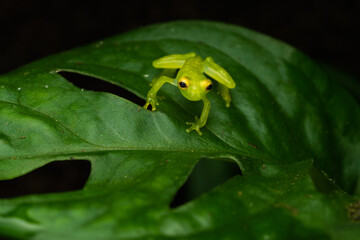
[{"x": 186, "y": 71}]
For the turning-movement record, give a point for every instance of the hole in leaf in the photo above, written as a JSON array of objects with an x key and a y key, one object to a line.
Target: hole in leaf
[
  {"x": 57, "y": 176},
  {"x": 206, "y": 175},
  {"x": 98, "y": 85}
]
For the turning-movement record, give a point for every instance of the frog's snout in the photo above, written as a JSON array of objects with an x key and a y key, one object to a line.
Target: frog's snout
[{"x": 194, "y": 93}]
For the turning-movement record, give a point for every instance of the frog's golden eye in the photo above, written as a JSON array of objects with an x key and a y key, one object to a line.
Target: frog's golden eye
[
  {"x": 207, "y": 84},
  {"x": 183, "y": 83}
]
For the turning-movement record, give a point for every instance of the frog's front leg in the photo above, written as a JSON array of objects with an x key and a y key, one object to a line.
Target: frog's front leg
[
  {"x": 151, "y": 97},
  {"x": 199, "y": 123}
]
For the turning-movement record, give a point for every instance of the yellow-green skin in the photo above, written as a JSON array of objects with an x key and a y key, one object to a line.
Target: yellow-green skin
[{"x": 191, "y": 81}]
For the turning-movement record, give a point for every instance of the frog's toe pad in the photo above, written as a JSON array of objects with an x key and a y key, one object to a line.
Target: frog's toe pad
[
  {"x": 194, "y": 126},
  {"x": 146, "y": 105}
]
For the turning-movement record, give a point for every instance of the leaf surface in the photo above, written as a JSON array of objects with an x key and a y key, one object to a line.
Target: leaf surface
[{"x": 293, "y": 131}]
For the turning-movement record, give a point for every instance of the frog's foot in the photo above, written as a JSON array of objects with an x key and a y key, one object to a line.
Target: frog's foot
[
  {"x": 151, "y": 101},
  {"x": 227, "y": 103},
  {"x": 194, "y": 126},
  {"x": 225, "y": 94}
]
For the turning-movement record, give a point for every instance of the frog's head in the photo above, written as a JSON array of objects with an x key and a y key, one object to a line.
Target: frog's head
[{"x": 194, "y": 88}]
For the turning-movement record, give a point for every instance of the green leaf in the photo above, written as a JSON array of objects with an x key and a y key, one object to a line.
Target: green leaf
[{"x": 291, "y": 128}]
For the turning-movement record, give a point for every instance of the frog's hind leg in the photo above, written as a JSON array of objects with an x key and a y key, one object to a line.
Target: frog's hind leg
[
  {"x": 218, "y": 73},
  {"x": 172, "y": 61},
  {"x": 224, "y": 93}
]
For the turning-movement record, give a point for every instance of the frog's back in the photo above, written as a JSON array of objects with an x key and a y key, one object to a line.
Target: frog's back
[{"x": 192, "y": 67}]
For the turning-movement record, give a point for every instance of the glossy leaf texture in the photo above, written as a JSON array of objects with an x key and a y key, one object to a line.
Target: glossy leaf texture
[{"x": 291, "y": 128}]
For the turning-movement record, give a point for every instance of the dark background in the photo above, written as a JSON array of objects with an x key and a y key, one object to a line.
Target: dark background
[{"x": 327, "y": 30}]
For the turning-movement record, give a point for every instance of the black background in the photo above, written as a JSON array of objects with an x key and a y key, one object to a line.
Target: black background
[{"x": 327, "y": 30}]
